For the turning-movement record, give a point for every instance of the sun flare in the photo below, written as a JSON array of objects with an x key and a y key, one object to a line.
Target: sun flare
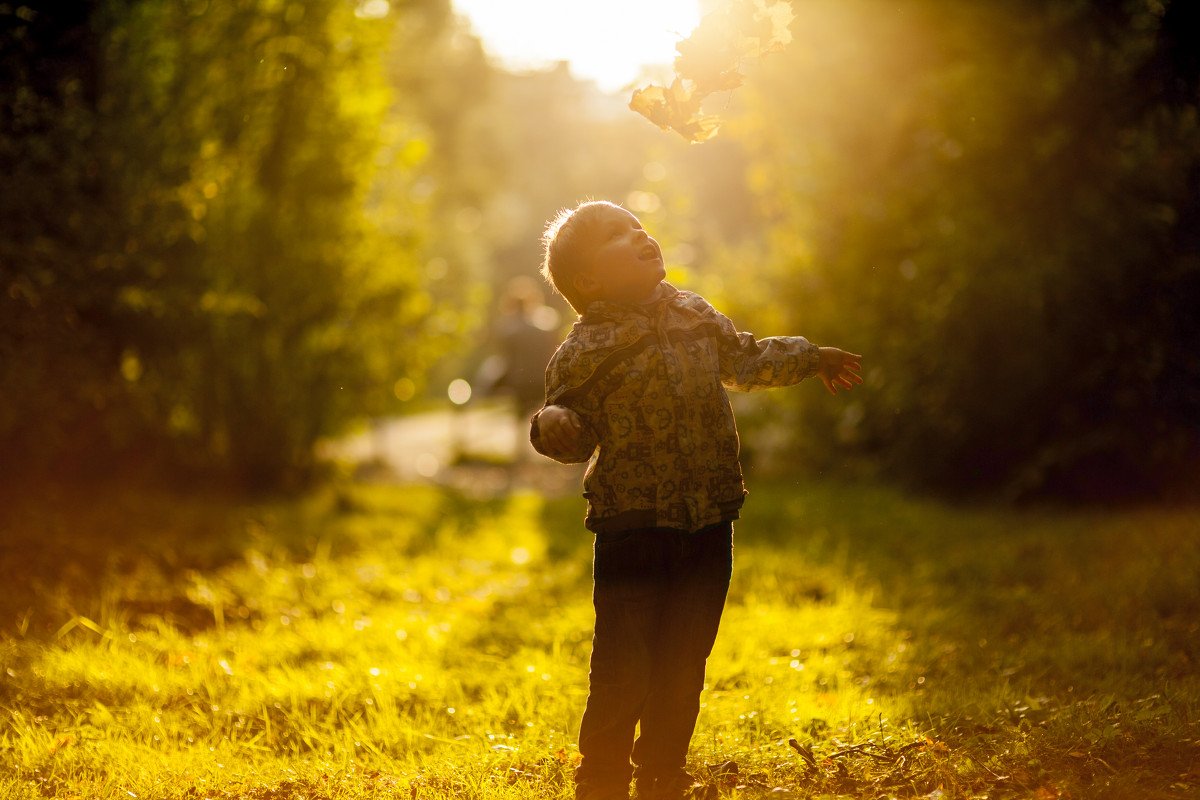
[{"x": 607, "y": 42}]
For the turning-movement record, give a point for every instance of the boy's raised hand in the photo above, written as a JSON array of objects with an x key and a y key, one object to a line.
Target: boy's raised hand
[
  {"x": 838, "y": 368},
  {"x": 560, "y": 428}
]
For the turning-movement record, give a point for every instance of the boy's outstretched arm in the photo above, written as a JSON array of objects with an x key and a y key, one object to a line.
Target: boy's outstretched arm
[
  {"x": 838, "y": 368},
  {"x": 748, "y": 364}
]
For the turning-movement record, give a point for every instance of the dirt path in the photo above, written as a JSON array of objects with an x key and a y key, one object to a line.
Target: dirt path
[{"x": 482, "y": 449}]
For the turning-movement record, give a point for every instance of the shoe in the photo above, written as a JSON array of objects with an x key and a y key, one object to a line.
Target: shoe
[
  {"x": 600, "y": 793},
  {"x": 680, "y": 786}
]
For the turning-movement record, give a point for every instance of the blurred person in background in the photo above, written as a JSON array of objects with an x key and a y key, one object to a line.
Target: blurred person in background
[{"x": 524, "y": 338}]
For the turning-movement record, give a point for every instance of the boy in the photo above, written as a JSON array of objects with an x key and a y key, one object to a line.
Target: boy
[{"x": 638, "y": 388}]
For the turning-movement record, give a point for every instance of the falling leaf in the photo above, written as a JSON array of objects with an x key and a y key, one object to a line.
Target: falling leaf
[
  {"x": 699, "y": 130},
  {"x": 675, "y": 107},
  {"x": 710, "y": 60},
  {"x": 780, "y": 15},
  {"x": 651, "y": 103}
]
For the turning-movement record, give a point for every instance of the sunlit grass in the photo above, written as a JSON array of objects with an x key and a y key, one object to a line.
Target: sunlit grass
[{"x": 412, "y": 642}]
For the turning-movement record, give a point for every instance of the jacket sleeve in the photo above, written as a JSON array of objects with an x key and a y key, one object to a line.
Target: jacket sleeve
[
  {"x": 748, "y": 364},
  {"x": 567, "y": 385}
]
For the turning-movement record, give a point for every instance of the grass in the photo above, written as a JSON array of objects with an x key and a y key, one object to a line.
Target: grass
[{"x": 414, "y": 642}]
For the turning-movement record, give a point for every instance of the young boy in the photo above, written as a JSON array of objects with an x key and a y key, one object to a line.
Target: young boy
[{"x": 638, "y": 388}]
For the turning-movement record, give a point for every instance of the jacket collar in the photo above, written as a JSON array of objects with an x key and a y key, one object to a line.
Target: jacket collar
[{"x": 606, "y": 310}]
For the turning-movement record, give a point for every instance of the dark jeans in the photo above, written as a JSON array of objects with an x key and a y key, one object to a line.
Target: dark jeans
[{"x": 658, "y": 595}]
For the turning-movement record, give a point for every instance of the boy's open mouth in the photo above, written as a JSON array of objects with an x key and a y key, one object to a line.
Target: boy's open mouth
[{"x": 649, "y": 252}]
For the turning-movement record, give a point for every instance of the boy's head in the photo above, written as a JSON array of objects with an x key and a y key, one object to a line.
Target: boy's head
[{"x": 599, "y": 251}]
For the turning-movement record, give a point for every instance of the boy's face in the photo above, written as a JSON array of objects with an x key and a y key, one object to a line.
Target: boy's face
[{"x": 625, "y": 264}]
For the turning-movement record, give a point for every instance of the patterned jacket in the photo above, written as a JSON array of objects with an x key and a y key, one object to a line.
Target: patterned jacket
[{"x": 649, "y": 384}]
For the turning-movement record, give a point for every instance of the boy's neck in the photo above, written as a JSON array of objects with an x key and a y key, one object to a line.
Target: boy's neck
[
  {"x": 650, "y": 298},
  {"x": 644, "y": 302}
]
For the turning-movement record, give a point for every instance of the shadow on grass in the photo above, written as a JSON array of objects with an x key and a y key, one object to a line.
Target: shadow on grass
[{"x": 71, "y": 555}]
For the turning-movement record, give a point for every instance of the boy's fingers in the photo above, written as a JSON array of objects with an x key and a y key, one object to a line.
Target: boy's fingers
[
  {"x": 847, "y": 380},
  {"x": 563, "y": 435},
  {"x": 552, "y": 433}
]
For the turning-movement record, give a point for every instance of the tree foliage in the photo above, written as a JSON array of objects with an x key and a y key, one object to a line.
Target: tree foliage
[
  {"x": 199, "y": 265},
  {"x": 226, "y": 229},
  {"x": 997, "y": 204}
]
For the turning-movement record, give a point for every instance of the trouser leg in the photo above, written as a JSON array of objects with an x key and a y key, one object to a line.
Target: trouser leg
[
  {"x": 630, "y": 568},
  {"x": 694, "y": 599}
]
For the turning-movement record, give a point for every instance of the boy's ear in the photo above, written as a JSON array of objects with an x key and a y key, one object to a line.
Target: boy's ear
[{"x": 585, "y": 283}]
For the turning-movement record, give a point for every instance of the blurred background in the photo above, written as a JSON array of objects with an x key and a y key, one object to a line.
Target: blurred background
[{"x": 232, "y": 234}]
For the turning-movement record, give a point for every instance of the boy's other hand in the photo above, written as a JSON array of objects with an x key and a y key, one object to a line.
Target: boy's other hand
[
  {"x": 560, "y": 428},
  {"x": 838, "y": 368}
]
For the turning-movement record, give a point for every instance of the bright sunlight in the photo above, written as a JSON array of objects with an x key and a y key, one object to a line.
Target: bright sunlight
[{"x": 606, "y": 42}]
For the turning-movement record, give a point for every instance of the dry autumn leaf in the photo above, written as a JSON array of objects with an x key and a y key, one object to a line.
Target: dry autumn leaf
[
  {"x": 675, "y": 107},
  {"x": 709, "y": 61}
]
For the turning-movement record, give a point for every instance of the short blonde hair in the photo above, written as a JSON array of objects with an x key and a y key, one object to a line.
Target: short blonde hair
[{"x": 565, "y": 253}]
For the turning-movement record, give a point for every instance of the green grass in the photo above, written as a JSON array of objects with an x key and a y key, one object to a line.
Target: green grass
[{"x": 412, "y": 642}]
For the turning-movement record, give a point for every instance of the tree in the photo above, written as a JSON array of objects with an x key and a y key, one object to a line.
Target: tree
[
  {"x": 194, "y": 269},
  {"x": 992, "y": 202}
]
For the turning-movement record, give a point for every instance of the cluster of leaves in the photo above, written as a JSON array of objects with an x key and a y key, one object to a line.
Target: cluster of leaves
[{"x": 710, "y": 60}]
